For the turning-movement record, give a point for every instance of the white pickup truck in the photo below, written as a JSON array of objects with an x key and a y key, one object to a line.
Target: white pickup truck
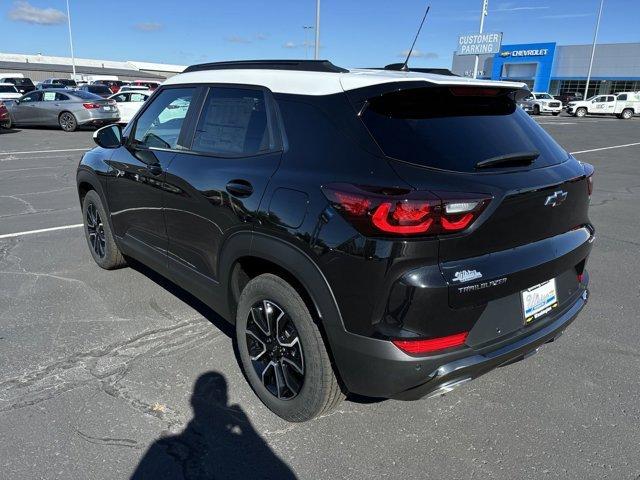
[{"x": 623, "y": 105}]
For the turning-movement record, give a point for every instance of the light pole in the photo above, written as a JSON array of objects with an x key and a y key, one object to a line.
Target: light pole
[
  {"x": 485, "y": 12},
  {"x": 306, "y": 40},
  {"x": 73, "y": 58},
  {"x": 593, "y": 49},
  {"x": 316, "y": 54}
]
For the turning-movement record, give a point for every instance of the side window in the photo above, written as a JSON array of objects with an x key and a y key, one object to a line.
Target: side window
[
  {"x": 123, "y": 97},
  {"x": 601, "y": 99},
  {"x": 138, "y": 97},
  {"x": 611, "y": 99},
  {"x": 159, "y": 125},
  {"x": 32, "y": 97},
  {"x": 49, "y": 96},
  {"x": 233, "y": 121},
  {"x": 622, "y": 97},
  {"x": 61, "y": 97}
]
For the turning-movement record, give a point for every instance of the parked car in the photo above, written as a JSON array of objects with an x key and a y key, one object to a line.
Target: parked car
[
  {"x": 5, "y": 118},
  {"x": 149, "y": 84},
  {"x": 97, "y": 89},
  {"x": 129, "y": 103},
  {"x": 623, "y": 105},
  {"x": 67, "y": 82},
  {"x": 22, "y": 84},
  {"x": 361, "y": 229},
  {"x": 567, "y": 97},
  {"x": 113, "y": 85},
  {"x": 538, "y": 102},
  {"x": 68, "y": 109},
  {"x": 49, "y": 86},
  {"x": 8, "y": 91}
]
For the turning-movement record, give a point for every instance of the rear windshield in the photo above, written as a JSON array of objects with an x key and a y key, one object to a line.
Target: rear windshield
[
  {"x": 454, "y": 128},
  {"x": 64, "y": 81},
  {"x": 21, "y": 82},
  {"x": 84, "y": 95},
  {"x": 98, "y": 89}
]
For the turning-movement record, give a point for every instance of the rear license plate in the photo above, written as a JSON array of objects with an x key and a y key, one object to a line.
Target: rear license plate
[
  {"x": 539, "y": 300},
  {"x": 107, "y": 108}
]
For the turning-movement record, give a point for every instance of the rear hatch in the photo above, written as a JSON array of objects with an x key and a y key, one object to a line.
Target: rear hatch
[{"x": 534, "y": 226}]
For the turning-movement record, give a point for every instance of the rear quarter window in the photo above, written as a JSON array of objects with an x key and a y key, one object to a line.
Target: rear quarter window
[{"x": 455, "y": 128}]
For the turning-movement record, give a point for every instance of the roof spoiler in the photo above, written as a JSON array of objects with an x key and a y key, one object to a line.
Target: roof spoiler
[{"x": 399, "y": 68}]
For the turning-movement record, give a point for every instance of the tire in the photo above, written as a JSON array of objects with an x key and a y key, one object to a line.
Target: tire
[
  {"x": 536, "y": 109},
  {"x": 581, "y": 112},
  {"x": 626, "y": 114},
  {"x": 290, "y": 372},
  {"x": 67, "y": 122},
  {"x": 97, "y": 231}
]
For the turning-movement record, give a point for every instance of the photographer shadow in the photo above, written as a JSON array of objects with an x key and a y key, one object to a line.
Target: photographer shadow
[{"x": 218, "y": 443}]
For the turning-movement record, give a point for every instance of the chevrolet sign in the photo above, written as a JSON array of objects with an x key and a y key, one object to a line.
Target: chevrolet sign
[
  {"x": 479, "y": 43},
  {"x": 537, "y": 52}
]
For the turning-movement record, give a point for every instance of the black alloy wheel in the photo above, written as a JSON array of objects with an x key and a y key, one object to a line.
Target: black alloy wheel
[
  {"x": 275, "y": 349},
  {"x": 95, "y": 230}
]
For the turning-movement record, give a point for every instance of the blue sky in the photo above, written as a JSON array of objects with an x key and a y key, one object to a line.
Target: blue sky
[{"x": 353, "y": 33}]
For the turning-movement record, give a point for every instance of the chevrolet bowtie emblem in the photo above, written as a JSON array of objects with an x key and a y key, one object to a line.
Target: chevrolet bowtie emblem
[{"x": 556, "y": 199}]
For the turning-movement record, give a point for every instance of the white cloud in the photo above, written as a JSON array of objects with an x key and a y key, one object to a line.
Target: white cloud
[
  {"x": 148, "y": 26},
  {"x": 567, "y": 15},
  {"x": 261, "y": 36},
  {"x": 509, "y": 8},
  {"x": 290, "y": 45},
  {"x": 23, "y": 11},
  {"x": 418, "y": 54},
  {"x": 237, "y": 39}
]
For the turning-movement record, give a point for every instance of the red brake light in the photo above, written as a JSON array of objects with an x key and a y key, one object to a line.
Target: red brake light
[
  {"x": 90, "y": 106},
  {"x": 379, "y": 211},
  {"x": 409, "y": 219},
  {"x": 431, "y": 345}
]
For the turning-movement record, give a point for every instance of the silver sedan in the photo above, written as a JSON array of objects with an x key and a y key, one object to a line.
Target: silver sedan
[{"x": 68, "y": 109}]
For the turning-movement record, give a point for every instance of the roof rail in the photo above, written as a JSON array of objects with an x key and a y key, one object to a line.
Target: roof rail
[
  {"x": 299, "y": 65},
  {"x": 438, "y": 71}
]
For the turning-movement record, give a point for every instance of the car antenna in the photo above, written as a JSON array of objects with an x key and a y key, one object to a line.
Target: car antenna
[{"x": 405, "y": 65}]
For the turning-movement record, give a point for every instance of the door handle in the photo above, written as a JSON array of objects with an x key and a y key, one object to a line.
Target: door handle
[
  {"x": 154, "y": 169},
  {"x": 239, "y": 188}
]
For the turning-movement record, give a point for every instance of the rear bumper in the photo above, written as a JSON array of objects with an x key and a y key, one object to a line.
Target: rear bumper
[{"x": 377, "y": 368}]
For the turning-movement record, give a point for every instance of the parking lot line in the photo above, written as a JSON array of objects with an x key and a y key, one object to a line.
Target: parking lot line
[
  {"x": 606, "y": 148},
  {"x": 42, "y": 230},
  {"x": 47, "y": 151}
]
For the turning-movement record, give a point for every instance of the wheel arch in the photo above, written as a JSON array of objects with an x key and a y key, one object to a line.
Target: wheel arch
[{"x": 248, "y": 254}]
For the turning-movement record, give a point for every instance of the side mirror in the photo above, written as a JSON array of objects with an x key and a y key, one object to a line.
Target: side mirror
[{"x": 109, "y": 136}]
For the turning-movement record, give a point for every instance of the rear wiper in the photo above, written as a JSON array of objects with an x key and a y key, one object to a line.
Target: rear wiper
[{"x": 517, "y": 159}]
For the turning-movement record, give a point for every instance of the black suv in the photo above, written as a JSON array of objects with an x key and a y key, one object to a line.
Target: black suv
[{"x": 389, "y": 234}]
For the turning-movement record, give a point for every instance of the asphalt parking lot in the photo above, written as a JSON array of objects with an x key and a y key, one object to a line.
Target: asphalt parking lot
[{"x": 100, "y": 369}]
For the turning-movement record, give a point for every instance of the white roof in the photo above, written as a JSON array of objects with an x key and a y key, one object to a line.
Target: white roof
[{"x": 325, "y": 83}]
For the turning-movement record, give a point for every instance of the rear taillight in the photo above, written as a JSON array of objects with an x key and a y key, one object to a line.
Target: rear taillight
[
  {"x": 589, "y": 171},
  {"x": 402, "y": 212},
  {"x": 431, "y": 345},
  {"x": 90, "y": 106}
]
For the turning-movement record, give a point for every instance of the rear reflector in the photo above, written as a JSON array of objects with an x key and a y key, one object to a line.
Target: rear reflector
[{"x": 431, "y": 345}]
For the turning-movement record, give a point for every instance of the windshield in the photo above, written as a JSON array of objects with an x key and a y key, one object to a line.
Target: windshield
[
  {"x": 455, "y": 128},
  {"x": 8, "y": 89},
  {"x": 98, "y": 89},
  {"x": 85, "y": 95}
]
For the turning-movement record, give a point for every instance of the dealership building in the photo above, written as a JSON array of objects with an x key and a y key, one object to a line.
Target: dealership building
[
  {"x": 40, "y": 67},
  {"x": 547, "y": 67}
]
